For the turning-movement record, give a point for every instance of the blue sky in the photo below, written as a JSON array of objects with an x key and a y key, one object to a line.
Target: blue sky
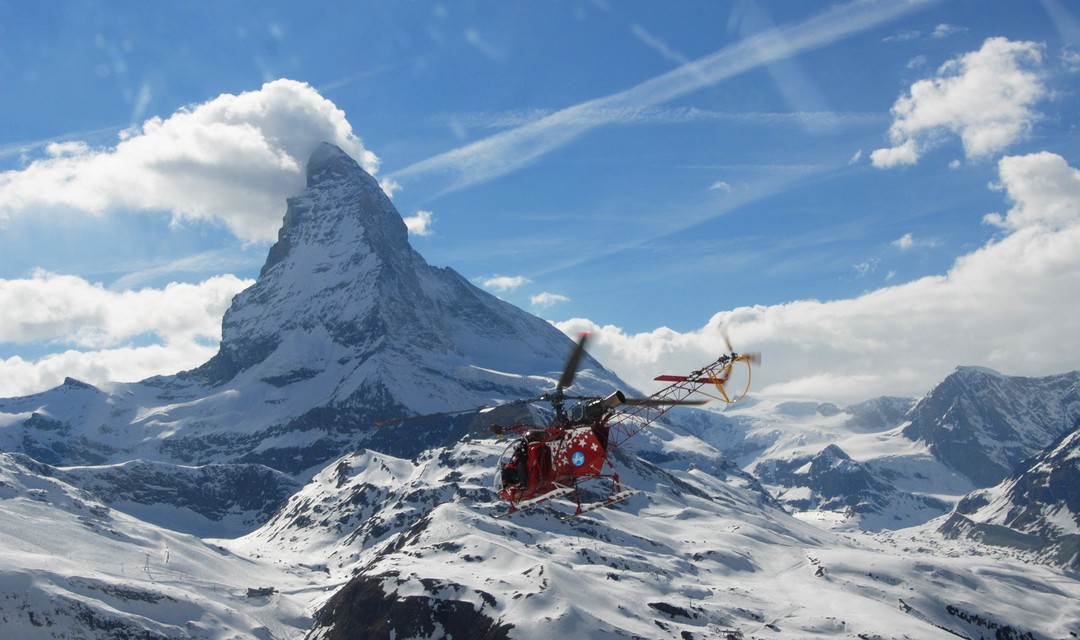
[{"x": 834, "y": 182}]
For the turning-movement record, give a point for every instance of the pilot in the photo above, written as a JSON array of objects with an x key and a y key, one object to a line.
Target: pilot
[{"x": 516, "y": 471}]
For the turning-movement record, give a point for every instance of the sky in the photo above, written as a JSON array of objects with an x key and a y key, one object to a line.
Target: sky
[{"x": 870, "y": 193}]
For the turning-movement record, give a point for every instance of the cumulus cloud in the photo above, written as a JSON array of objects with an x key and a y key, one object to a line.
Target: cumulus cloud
[
  {"x": 505, "y": 283},
  {"x": 985, "y": 97},
  {"x": 232, "y": 160},
  {"x": 944, "y": 30},
  {"x": 904, "y": 242},
  {"x": 123, "y": 364},
  {"x": 94, "y": 331},
  {"x": 1010, "y": 305},
  {"x": 547, "y": 299},
  {"x": 419, "y": 224}
]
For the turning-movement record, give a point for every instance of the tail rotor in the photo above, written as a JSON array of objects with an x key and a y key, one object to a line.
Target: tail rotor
[{"x": 732, "y": 378}]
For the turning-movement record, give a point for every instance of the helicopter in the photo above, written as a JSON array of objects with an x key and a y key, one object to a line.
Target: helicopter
[{"x": 546, "y": 462}]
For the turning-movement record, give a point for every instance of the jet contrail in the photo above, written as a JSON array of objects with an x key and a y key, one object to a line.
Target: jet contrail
[{"x": 511, "y": 150}]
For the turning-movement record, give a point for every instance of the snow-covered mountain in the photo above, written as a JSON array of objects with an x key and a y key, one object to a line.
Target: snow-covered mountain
[
  {"x": 346, "y": 325},
  {"x": 1036, "y": 509},
  {"x": 983, "y": 424},
  {"x": 381, "y": 547},
  {"x": 890, "y": 463},
  {"x": 72, "y": 567},
  {"x": 693, "y": 556},
  {"x": 254, "y": 497}
]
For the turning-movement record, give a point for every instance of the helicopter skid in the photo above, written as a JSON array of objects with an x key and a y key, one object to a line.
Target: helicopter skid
[
  {"x": 612, "y": 499},
  {"x": 558, "y": 492}
]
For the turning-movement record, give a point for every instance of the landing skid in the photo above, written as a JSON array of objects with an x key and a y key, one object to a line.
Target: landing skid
[
  {"x": 565, "y": 491},
  {"x": 532, "y": 502},
  {"x": 593, "y": 506}
]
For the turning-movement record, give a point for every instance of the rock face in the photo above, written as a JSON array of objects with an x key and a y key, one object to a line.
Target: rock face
[
  {"x": 983, "y": 424},
  {"x": 1035, "y": 509},
  {"x": 348, "y": 614}
]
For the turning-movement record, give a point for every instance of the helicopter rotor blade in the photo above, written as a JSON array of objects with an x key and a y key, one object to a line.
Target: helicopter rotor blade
[
  {"x": 754, "y": 356},
  {"x": 388, "y": 423},
  {"x": 727, "y": 338},
  {"x": 651, "y": 402},
  {"x": 572, "y": 363},
  {"x": 441, "y": 414}
]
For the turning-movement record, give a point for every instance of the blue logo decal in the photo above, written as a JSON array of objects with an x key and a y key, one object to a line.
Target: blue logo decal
[{"x": 578, "y": 458}]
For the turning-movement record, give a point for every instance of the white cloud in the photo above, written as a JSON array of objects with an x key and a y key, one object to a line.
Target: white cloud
[
  {"x": 985, "y": 97},
  {"x": 232, "y": 160},
  {"x": 866, "y": 267},
  {"x": 720, "y": 185},
  {"x": 1010, "y": 305},
  {"x": 69, "y": 310},
  {"x": 505, "y": 283},
  {"x": 123, "y": 364},
  {"x": 419, "y": 224},
  {"x": 944, "y": 30},
  {"x": 904, "y": 153},
  {"x": 1071, "y": 60},
  {"x": 1044, "y": 187},
  {"x": 904, "y": 36},
  {"x": 904, "y": 242},
  {"x": 546, "y": 299},
  {"x": 93, "y": 330}
]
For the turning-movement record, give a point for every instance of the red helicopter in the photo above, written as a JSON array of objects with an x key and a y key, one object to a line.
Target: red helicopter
[{"x": 553, "y": 461}]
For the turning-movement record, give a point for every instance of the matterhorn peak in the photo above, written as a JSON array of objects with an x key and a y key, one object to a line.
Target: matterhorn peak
[
  {"x": 347, "y": 324},
  {"x": 328, "y": 163},
  {"x": 339, "y": 193}
]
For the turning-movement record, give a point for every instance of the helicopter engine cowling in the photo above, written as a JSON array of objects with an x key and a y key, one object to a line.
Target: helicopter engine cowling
[{"x": 593, "y": 409}]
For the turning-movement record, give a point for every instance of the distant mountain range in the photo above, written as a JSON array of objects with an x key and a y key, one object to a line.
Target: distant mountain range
[{"x": 255, "y": 496}]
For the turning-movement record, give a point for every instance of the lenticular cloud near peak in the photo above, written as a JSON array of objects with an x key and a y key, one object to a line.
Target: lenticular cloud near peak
[{"x": 231, "y": 160}]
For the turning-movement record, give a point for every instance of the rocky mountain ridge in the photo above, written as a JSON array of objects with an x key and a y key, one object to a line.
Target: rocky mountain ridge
[{"x": 1036, "y": 509}]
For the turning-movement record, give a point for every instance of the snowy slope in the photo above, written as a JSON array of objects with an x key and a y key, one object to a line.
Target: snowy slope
[
  {"x": 215, "y": 500},
  {"x": 692, "y": 556},
  {"x": 71, "y": 567},
  {"x": 843, "y": 469},
  {"x": 1036, "y": 509},
  {"x": 383, "y": 545}
]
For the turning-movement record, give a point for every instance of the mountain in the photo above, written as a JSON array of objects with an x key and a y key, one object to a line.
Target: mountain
[
  {"x": 845, "y": 469},
  {"x": 1036, "y": 509},
  {"x": 379, "y": 546},
  {"x": 210, "y": 501},
  {"x": 982, "y": 423},
  {"x": 345, "y": 326},
  {"x": 890, "y": 463},
  {"x": 831, "y": 481},
  {"x": 694, "y": 555}
]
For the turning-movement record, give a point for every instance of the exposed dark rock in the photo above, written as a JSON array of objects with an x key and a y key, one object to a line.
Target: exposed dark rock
[{"x": 363, "y": 609}]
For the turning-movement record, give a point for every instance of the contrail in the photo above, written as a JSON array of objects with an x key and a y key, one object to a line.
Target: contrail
[{"x": 511, "y": 150}]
